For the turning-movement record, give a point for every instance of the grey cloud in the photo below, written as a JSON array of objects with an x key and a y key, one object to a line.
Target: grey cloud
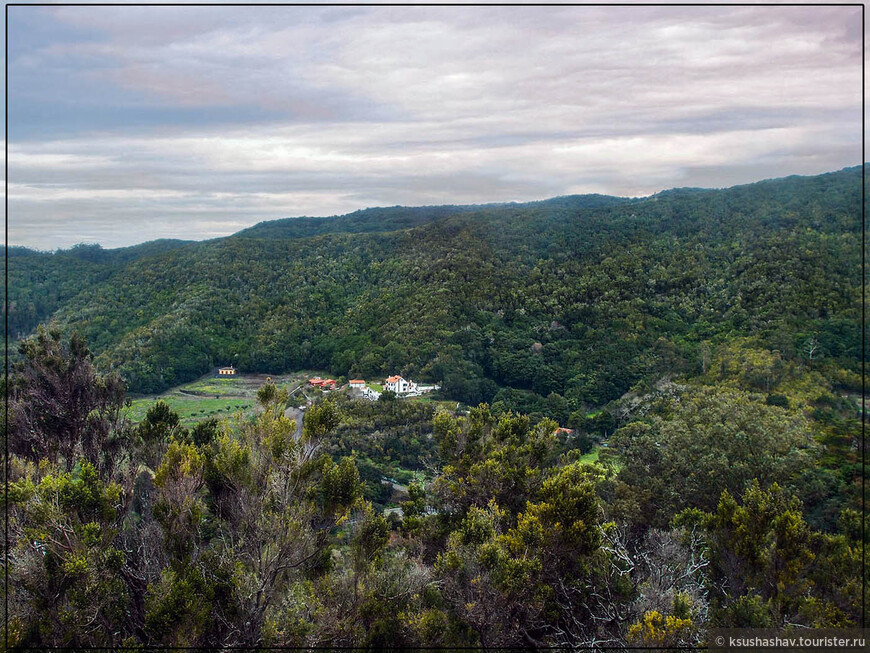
[{"x": 325, "y": 110}]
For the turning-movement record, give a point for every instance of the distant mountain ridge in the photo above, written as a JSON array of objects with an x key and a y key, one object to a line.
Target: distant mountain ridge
[
  {"x": 374, "y": 220},
  {"x": 370, "y": 220},
  {"x": 98, "y": 254},
  {"x": 384, "y": 219}
]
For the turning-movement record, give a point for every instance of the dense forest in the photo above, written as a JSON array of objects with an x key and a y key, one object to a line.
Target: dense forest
[
  {"x": 580, "y": 298},
  {"x": 705, "y": 344}
]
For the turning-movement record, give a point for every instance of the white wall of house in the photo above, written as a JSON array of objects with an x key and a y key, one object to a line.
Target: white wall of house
[{"x": 400, "y": 386}]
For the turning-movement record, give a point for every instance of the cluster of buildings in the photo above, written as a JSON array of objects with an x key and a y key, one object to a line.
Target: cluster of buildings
[
  {"x": 323, "y": 384},
  {"x": 406, "y": 387},
  {"x": 401, "y": 386}
]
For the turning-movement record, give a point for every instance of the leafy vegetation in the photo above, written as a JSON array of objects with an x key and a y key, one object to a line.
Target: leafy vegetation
[
  {"x": 702, "y": 346},
  {"x": 573, "y": 298}
]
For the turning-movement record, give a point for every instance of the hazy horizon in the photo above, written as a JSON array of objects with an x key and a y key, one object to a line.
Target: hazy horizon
[
  {"x": 130, "y": 124},
  {"x": 369, "y": 208}
]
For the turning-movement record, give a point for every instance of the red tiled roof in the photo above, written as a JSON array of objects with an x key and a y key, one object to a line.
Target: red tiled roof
[
  {"x": 393, "y": 379},
  {"x": 356, "y": 381},
  {"x": 318, "y": 382}
]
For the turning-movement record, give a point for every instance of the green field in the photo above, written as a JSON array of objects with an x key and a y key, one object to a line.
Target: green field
[
  {"x": 239, "y": 386},
  {"x": 212, "y": 397},
  {"x": 191, "y": 409},
  {"x": 220, "y": 387}
]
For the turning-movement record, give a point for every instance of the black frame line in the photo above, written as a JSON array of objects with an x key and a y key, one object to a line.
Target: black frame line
[
  {"x": 863, "y": 324},
  {"x": 424, "y": 4},
  {"x": 6, "y": 337}
]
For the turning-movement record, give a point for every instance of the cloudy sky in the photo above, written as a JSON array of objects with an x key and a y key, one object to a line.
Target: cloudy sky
[{"x": 133, "y": 123}]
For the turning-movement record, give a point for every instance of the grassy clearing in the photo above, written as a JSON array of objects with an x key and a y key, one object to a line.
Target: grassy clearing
[
  {"x": 191, "y": 409},
  {"x": 609, "y": 457},
  {"x": 591, "y": 457},
  {"x": 213, "y": 397},
  {"x": 240, "y": 386},
  {"x": 219, "y": 387}
]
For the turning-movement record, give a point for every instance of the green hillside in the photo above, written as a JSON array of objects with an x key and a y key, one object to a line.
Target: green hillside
[
  {"x": 578, "y": 297},
  {"x": 703, "y": 348}
]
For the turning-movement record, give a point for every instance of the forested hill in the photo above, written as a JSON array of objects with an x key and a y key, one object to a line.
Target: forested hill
[
  {"x": 549, "y": 306},
  {"x": 378, "y": 220}
]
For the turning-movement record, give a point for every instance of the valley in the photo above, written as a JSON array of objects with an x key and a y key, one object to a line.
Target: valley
[
  {"x": 443, "y": 425},
  {"x": 408, "y": 327}
]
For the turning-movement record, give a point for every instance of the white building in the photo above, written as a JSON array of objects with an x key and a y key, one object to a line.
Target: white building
[{"x": 399, "y": 385}]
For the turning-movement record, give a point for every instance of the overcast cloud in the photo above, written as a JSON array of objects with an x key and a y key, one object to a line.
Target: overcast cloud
[{"x": 133, "y": 123}]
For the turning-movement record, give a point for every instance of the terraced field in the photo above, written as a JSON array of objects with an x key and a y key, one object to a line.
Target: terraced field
[
  {"x": 213, "y": 397},
  {"x": 189, "y": 408}
]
